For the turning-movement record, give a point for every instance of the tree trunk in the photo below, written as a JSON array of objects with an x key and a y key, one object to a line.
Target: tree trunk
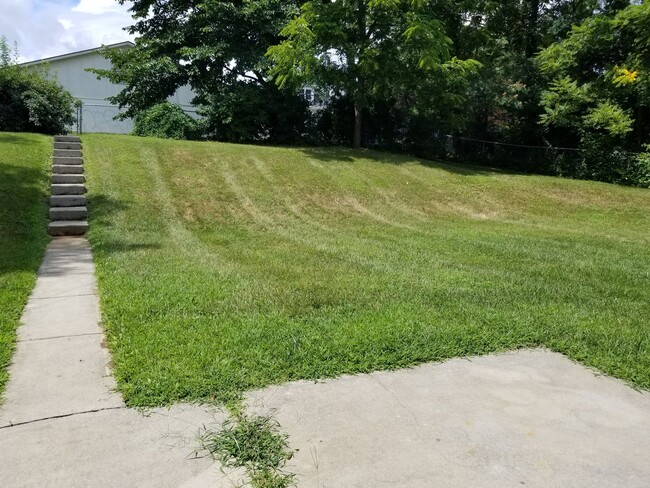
[
  {"x": 531, "y": 25},
  {"x": 358, "y": 121}
]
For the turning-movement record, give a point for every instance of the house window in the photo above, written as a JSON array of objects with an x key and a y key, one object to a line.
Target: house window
[{"x": 308, "y": 94}]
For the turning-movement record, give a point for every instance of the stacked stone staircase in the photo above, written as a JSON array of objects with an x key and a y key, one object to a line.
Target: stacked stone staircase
[{"x": 68, "y": 210}]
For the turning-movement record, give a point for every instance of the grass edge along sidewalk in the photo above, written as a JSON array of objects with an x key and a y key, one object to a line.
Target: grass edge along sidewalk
[{"x": 24, "y": 161}]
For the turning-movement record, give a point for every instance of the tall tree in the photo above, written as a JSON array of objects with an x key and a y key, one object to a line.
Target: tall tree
[
  {"x": 505, "y": 36},
  {"x": 366, "y": 48},
  {"x": 598, "y": 92},
  {"x": 216, "y": 46}
]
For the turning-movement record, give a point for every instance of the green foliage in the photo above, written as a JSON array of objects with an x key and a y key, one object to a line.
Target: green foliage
[
  {"x": 609, "y": 118},
  {"x": 165, "y": 120},
  {"x": 643, "y": 168},
  {"x": 246, "y": 112},
  {"x": 30, "y": 101},
  {"x": 371, "y": 50},
  {"x": 217, "y": 47},
  {"x": 401, "y": 74},
  {"x": 597, "y": 93}
]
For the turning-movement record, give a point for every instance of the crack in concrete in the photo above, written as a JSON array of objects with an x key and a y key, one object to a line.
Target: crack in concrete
[
  {"x": 61, "y": 337},
  {"x": 65, "y": 296},
  {"x": 63, "y": 416}
]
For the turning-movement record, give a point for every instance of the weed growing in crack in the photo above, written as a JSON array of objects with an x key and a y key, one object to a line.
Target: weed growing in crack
[{"x": 255, "y": 443}]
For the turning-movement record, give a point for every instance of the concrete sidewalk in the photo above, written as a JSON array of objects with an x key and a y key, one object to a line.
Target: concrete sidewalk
[
  {"x": 528, "y": 418},
  {"x": 61, "y": 424}
]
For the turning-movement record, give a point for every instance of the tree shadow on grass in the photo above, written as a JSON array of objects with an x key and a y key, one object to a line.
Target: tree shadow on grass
[
  {"x": 6, "y": 138},
  {"x": 348, "y": 155},
  {"x": 23, "y": 217},
  {"x": 102, "y": 210}
]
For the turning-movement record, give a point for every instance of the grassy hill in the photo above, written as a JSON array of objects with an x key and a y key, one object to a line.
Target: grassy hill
[
  {"x": 223, "y": 268},
  {"x": 24, "y": 159}
]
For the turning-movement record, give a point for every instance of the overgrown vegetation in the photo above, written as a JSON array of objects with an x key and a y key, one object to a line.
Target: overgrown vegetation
[
  {"x": 400, "y": 75},
  {"x": 599, "y": 94},
  {"x": 224, "y": 268},
  {"x": 30, "y": 101},
  {"x": 23, "y": 236},
  {"x": 165, "y": 120}
]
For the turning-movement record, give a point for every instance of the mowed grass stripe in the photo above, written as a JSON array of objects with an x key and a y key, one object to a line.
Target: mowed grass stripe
[
  {"x": 24, "y": 161},
  {"x": 224, "y": 267}
]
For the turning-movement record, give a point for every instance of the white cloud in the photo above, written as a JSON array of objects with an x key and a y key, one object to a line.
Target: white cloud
[
  {"x": 67, "y": 24},
  {"x": 97, "y": 7},
  {"x": 45, "y": 28}
]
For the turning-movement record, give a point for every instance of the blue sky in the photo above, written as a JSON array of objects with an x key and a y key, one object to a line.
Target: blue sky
[{"x": 44, "y": 28}]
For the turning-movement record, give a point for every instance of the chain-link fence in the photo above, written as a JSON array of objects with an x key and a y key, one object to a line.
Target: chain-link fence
[
  {"x": 102, "y": 118},
  {"x": 527, "y": 158},
  {"x": 596, "y": 162}
]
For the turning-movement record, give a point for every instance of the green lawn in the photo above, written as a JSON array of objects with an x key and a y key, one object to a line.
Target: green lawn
[
  {"x": 24, "y": 159},
  {"x": 223, "y": 267}
]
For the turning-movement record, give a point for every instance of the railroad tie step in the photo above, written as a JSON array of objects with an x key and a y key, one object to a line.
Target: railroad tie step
[
  {"x": 67, "y": 139},
  {"x": 67, "y": 153},
  {"x": 67, "y": 178},
  {"x": 76, "y": 146},
  {"x": 68, "y": 160},
  {"x": 68, "y": 227},
  {"x": 68, "y": 210},
  {"x": 68, "y": 213},
  {"x": 68, "y": 189},
  {"x": 67, "y": 169},
  {"x": 67, "y": 201}
]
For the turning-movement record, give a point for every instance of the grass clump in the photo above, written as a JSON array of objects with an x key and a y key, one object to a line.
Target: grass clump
[
  {"x": 23, "y": 230},
  {"x": 224, "y": 268},
  {"x": 255, "y": 443}
]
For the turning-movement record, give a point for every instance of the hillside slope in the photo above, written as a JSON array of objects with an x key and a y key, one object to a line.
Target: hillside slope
[{"x": 223, "y": 268}]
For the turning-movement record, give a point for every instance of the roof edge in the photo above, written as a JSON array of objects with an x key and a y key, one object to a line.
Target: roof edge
[{"x": 79, "y": 53}]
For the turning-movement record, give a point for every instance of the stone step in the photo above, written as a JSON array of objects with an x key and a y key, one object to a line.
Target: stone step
[
  {"x": 67, "y": 169},
  {"x": 67, "y": 201},
  {"x": 68, "y": 228},
  {"x": 68, "y": 189},
  {"x": 67, "y": 153},
  {"x": 67, "y": 179},
  {"x": 68, "y": 213},
  {"x": 67, "y": 139},
  {"x": 68, "y": 145},
  {"x": 68, "y": 160}
]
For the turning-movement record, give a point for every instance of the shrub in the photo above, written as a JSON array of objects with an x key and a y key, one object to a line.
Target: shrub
[
  {"x": 643, "y": 168},
  {"x": 30, "y": 101},
  {"x": 250, "y": 113},
  {"x": 166, "y": 121}
]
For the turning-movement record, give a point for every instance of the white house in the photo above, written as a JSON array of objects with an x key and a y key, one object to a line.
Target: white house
[{"x": 98, "y": 112}]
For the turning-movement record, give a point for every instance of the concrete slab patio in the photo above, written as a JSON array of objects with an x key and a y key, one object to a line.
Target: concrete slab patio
[{"x": 529, "y": 418}]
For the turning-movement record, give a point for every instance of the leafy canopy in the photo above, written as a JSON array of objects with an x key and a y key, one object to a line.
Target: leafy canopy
[
  {"x": 600, "y": 78},
  {"x": 367, "y": 49},
  {"x": 208, "y": 44}
]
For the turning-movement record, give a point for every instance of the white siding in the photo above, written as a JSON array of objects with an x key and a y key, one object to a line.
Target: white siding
[
  {"x": 72, "y": 74},
  {"x": 98, "y": 112}
]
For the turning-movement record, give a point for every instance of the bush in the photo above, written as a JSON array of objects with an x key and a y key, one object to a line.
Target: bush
[
  {"x": 166, "y": 121},
  {"x": 643, "y": 168},
  {"x": 29, "y": 100},
  {"x": 250, "y": 113}
]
